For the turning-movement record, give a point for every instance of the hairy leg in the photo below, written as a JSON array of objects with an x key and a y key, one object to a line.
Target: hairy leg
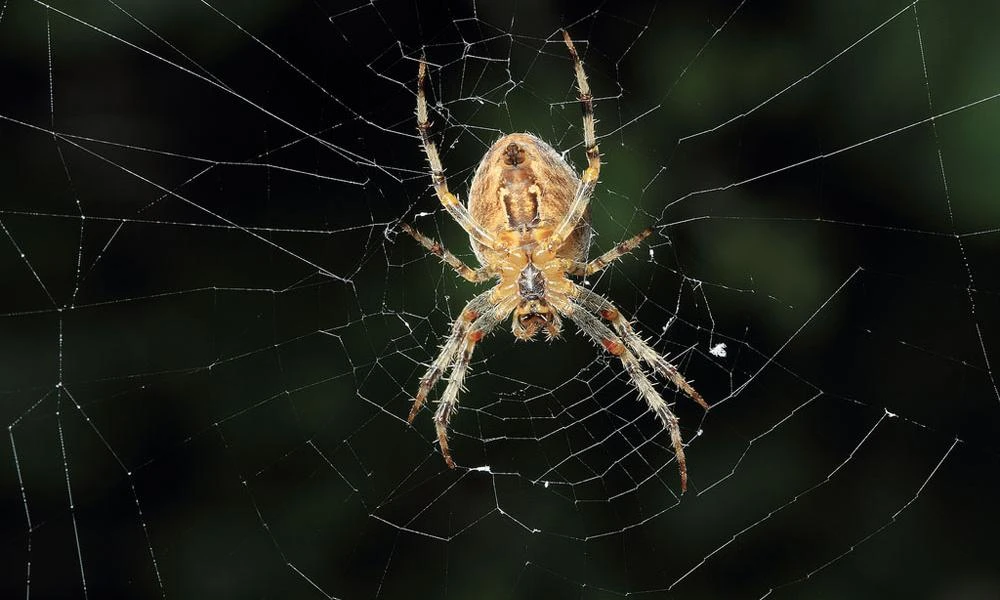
[
  {"x": 456, "y": 209},
  {"x": 474, "y": 275},
  {"x": 596, "y": 303},
  {"x": 602, "y": 334},
  {"x": 588, "y": 181},
  {"x": 598, "y": 264},
  {"x": 470, "y": 314},
  {"x": 449, "y": 399}
]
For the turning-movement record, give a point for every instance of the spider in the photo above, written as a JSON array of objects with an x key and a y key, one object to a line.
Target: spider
[{"x": 528, "y": 221}]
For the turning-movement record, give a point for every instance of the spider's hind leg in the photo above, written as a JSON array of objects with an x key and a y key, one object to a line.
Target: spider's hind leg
[
  {"x": 449, "y": 201},
  {"x": 587, "y": 106}
]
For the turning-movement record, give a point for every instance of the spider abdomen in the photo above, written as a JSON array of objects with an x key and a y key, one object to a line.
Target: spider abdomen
[
  {"x": 519, "y": 192},
  {"x": 523, "y": 184}
]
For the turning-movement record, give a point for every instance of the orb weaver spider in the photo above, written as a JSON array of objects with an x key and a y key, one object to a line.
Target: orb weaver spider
[{"x": 528, "y": 221}]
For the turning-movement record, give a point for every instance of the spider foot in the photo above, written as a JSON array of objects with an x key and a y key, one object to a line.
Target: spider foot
[
  {"x": 441, "y": 424},
  {"x": 413, "y": 413}
]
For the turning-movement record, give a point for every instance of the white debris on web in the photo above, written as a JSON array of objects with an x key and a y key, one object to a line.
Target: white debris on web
[{"x": 718, "y": 350}]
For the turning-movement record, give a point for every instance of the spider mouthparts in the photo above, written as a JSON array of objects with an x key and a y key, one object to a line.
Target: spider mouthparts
[{"x": 540, "y": 318}]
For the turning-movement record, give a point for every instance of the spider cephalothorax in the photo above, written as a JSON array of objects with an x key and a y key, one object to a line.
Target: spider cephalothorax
[
  {"x": 534, "y": 311},
  {"x": 528, "y": 220}
]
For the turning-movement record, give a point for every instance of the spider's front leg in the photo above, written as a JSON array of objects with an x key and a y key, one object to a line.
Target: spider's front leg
[
  {"x": 478, "y": 318},
  {"x": 596, "y": 303},
  {"x": 470, "y": 314},
  {"x": 600, "y": 333},
  {"x": 449, "y": 399}
]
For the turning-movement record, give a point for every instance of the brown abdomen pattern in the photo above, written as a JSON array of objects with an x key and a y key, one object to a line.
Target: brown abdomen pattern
[{"x": 509, "y": 198}]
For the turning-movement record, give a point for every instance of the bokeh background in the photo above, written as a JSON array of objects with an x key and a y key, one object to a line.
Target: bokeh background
[{"x": 209, "y": 331}]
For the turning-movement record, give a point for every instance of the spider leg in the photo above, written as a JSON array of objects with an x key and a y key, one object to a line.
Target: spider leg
[
  {"x": 602, "y": 261},
  {"x": 474, "y": 275},
  {"x": 456, "y": 209},
  {"x": 596, "y": 303},
  {"x": 449, "y": 399},
  {"x": 588, "y": 180},
  {"x": 602, "y": 334},
  {"x": 470, "y": 314}
]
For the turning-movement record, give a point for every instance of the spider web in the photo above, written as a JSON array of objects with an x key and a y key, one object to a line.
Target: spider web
[{"x": 212, "y": 329}]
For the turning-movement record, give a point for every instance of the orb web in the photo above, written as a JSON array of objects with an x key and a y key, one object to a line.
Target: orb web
[{"x": 212, "y": 327}]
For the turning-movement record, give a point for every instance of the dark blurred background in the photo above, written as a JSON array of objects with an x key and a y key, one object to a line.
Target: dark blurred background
[{"x": 211, "y": 329}]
